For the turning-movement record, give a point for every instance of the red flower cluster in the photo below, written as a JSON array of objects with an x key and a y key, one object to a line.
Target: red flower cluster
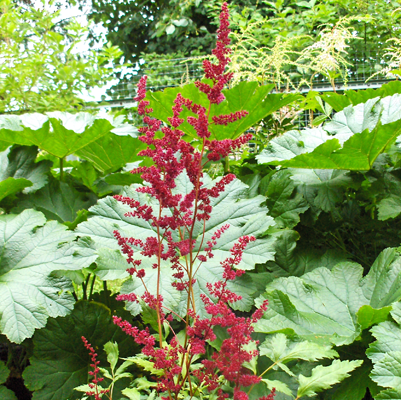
[
  {"x": 95, "y": 381},
  {"x": 215, "y": 72},
  {"x": 173, "y": 221}
]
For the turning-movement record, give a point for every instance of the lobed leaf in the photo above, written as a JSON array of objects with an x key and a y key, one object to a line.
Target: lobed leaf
[
  {"x": 30, "y": 249},
  {"x": 325, "y": 377},
  {"x": 245, "y": 217}
]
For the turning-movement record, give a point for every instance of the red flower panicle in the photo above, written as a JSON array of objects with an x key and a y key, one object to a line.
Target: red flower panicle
[
  {"x": 173, "y": 221},
  {"x": 97, "y": 390}
]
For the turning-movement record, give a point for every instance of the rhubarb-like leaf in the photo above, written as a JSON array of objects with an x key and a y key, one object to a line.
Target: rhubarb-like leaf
[
  {"x": 352, "y": 97},
  {"x": 285, "y": 203},
  {"x": 112, "y": 152},
  {"x": 245, "y": 217},
  {"x": 325, "y": 304},
  {"x": 248, "y": 96},
  {"x": 58, "y": 133},
  {"x": 30, "y": 249},
  {"x": 57, "y": 200},
  {"x": 371, "y": 128},
  {"x": 19, "y": 172}
]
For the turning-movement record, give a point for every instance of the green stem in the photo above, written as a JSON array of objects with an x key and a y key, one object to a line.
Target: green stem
[
  {"x": 226, "y": 165},
  {"x": 61, "y": 169},
  {"x": 85, "y": 287},
  {"x": 92, "y": 286}
]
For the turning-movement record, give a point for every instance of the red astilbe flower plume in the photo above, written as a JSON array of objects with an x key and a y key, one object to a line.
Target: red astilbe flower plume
[
  {"x": 215, "y": 72},
  {"x": 97, "y": 390},
  {"x": 173, "y": 217}
]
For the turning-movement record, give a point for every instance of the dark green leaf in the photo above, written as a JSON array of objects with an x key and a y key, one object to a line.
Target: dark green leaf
[
  {"x": 60, "y": 361},
  {"x": 284, "y": 202},
  {"x": 18, "y": 164},
  {"x": 58, "y": 201}
]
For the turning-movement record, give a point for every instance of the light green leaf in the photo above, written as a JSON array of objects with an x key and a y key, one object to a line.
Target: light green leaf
[
  {"x": 388, "y": 335},
  {"x": 325, "y": 187},
  {"x": 282, "y": 350},
  {"x": 382, "y": 285},
  {"x": 294, "y": 143},
  {"x": 30, "y": 249},
  {"x": 111, "y": 152},
  {"x": 58, "y": 133},
  {"x": 368, "y": 316},
  {"x": 111, "y": 349},
  {"x": 324, "y": 304},
  {"x": 245, "y": 217},
  {"x": 11, "y": 185},
  {"x": 247, "y": 96},
  {"x": 145, "y": 364},
  {"x": 396, "y": 312},
  {"x": 371, "y": 127},
  {"x": 352, "y": 97},
  {"x": 355, "y": 387},
  {"x": 389, "y": 207},
  {"x": 280, "y": 386},
  {"x": 325, "y": 377},
  {"x": 387, "y": 371}
]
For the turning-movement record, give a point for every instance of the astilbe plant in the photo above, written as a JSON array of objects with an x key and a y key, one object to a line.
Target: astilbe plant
[{"x": 174, "y": 242}]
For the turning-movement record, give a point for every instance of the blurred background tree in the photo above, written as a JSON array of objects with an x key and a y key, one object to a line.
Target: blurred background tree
[{"x": 43, "y": 66}]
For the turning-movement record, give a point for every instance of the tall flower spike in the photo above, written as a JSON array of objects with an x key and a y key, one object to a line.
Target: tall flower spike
[{"x": 215, "y": 72}]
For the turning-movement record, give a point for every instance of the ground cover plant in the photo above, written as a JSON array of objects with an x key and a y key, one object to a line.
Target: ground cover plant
[{"x": 310, "y": 225}]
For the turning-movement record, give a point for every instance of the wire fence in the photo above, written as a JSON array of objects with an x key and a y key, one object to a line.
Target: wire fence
[{"x": 175, "y": 72}]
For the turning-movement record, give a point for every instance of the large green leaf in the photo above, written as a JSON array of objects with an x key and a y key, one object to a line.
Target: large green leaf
[
  {"x": 385, "y": 353},
  {"x": 294, "y": 143},
  {"x": 57, "y": 200},
  {"x": 30, "y": 249},
  {"x": 371, "y": 127},
  {"x": 324, "y": 304},
  {"x": 284, "y": 201},
  {"x": 292, "y": 261},
  {"x": 60, "y": 361},
  {"x": 325, "y": 377},
  {"x": 18, "y": 170},
  {"x": 323, "y": 188},
  {"x": 248, "y": 96},
  {"x": 352, "y": 97},
  {"x": 245, "y": 217},
  {"x": 58, "y": 133},
  {"x": 111, "y": 152},
  {"x": 387, "y": 371}
]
